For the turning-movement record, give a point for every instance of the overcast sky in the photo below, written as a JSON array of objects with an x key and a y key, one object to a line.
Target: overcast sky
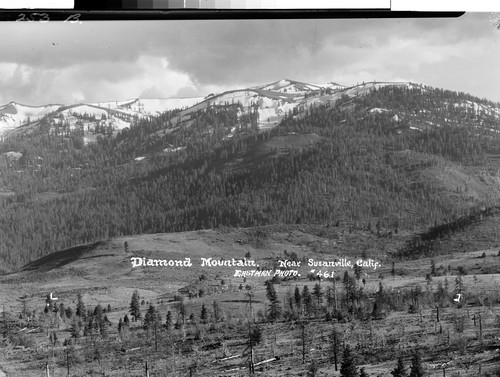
[{"x": 101, "y": 61}]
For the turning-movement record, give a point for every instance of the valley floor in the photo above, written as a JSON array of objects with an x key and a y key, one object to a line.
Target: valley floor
[{"x": 466, "y": 337}]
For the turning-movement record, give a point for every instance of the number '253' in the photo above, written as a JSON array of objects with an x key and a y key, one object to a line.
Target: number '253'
[{"x": 38, "y": 17}]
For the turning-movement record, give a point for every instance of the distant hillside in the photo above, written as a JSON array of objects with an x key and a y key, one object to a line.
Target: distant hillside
[
  {"x": 84, "y": 117},
  {"x": 268, "y": 102},
  {"x": 109, "y": 261},
  {"x": 379, "y": 156},
  {"x": 14, "y": 115}
]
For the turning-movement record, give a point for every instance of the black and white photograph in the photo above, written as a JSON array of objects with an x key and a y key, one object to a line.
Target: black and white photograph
[{"x": 283, "y": 196}]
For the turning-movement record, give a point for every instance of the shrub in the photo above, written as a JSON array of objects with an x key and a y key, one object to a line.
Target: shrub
[
  {"x": 459, "y": 343},
  {"x": 312, "y": 369},
  {"x": 412, "y": 309},
  {"x": 22, "y": 340},
  {"x": 459, "y": 323}
]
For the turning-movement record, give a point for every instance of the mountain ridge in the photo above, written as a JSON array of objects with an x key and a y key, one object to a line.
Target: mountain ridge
[{"x": 284, "y": 90}]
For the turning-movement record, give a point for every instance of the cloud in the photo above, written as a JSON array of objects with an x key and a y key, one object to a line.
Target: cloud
[
  {"x": 152, "y": 92},
  {"x": 186, "y": 92},
  {"x": 93, "y": 81},
  {"x": 59, "y": 45},
  {"x": 100, "y": 61}
]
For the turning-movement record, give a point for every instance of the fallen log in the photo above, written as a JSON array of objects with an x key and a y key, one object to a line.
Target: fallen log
[
  {"x": 227, "y": 358},
  {"x": 123, "y": 350},
  {"x": 266, "y": 361}
]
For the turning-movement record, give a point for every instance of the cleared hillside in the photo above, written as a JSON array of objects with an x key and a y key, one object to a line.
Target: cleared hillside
[{"x": 388, "y": 310}]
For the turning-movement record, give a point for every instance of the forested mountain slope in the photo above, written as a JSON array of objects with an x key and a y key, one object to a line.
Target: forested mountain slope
[{"x": 381, "y": 156}]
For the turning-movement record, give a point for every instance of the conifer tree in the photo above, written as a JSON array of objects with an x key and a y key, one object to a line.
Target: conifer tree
[
  {"x": 62, "y": 311},
  {"x": 335, "y": 338},
  {"x": 441, "y": 295},
  {"x": 76, "y": 328},
  {"x": 217, "y": 311},
  {"x": 348, "y": 365},
  {"x": 103, "y": 327},
  {"x": 416, "y": 368},
  {"x": 80, "y": 306},
  {"x": 274, "y": 311},
  {"x": 318, "y": 294},
  {"x": 358, "y": 270},
  {"x": 400, "y": 370},
  {"x": 168, "y": 321},
  {"x": 204, "y": 314},
  {"x": 98, "y": 313},
  {"x": 255, "y": 335},
  {"x": 307, "y": 300},
  {"x": 350, "y": 288},
  {"x": 151, "y": 317},
  {"x": 135, "y": 306},
  {"x": 297, "y": 297}
]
